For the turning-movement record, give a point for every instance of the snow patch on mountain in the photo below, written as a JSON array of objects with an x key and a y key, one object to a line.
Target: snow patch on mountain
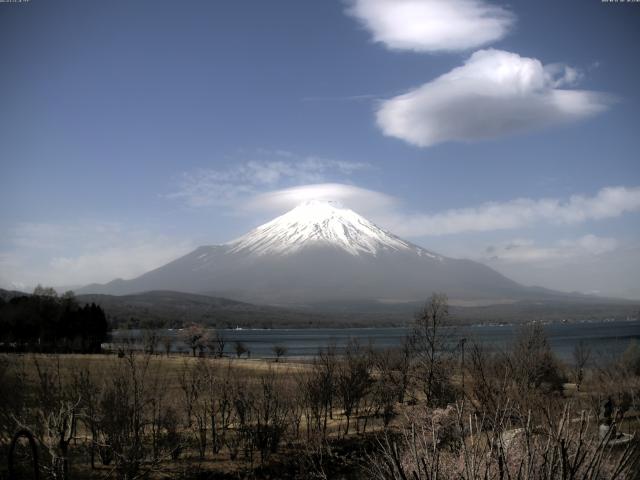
[{"x": 321, "y": 223}]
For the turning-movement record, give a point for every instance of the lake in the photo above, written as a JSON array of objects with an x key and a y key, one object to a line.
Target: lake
[{"x": 605, "y": 338}]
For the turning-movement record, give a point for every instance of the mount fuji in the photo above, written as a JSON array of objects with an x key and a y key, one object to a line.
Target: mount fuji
[{"x": 320, "y": 252}]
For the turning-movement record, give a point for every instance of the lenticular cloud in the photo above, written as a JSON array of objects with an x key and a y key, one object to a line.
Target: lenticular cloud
[
  {"x": 495, "y": 93},
  {"x": 432, "y": 25}
]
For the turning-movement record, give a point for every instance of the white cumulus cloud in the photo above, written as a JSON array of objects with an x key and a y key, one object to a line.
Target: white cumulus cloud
[
  {"x": 495, "y": 93},
  {"x": 432, "y": 25}
]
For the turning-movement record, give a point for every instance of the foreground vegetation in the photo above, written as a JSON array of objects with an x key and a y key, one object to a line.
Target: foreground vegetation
[{"x": 423, "y": 411}]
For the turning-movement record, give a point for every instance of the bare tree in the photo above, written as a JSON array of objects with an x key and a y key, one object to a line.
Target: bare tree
[
  {"x": 294, "y": 390},
  {"x": 353, "y": 380},
  {"x": 157, "y": 410},
  {"x": 216, "y": 342},
  {"x": 244, "y": 398},
  {"x": 271, "y": 415},
  {"x": 391, "y": 381},
  {"x": 150, "y": 340},
  {"x": 394, "y": 367},
  {"x": 219, "y": 385},
  {"x": 431, "y": 340},
  {"x": 167, "y": 343},
  {"x": 240, "y": 348},
  {"x": 581, "y": 354},
  {"x": 202, "y": 407},
  {"x": 533, "y": 364},
  {"x": 314, "y": 390},
  {"x": 324, "y": 386},
  {"x": 279, "y": 351},
  {"x": 403, "y": 364},
  {"x": 490, "y": 381},
  {"x": 195, "y": 400},
  {"x": 193, "y": 336}
]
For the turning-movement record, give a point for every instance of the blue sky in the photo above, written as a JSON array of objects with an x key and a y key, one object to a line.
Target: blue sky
[{"x": 131, "y": 132}]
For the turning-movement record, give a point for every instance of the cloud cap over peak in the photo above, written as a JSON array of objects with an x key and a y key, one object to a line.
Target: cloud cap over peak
[
  {"x": 432, "y": 25},
  {"x": 493, "y": 94},
  {"x": 359, "y": 199}
]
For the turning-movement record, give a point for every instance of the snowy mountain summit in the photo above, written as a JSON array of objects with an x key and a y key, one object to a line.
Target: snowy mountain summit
[{"x": 320, "y": 223}]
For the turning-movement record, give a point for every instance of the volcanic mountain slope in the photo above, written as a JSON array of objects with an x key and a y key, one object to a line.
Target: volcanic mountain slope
[{"x": 319, "y": 252}]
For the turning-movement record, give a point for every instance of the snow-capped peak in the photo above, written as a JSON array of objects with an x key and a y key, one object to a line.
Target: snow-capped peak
[{"x": 318, "y": 222}]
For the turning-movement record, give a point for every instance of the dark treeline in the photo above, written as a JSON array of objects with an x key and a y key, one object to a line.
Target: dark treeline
[{"x": 46, "y": 322}]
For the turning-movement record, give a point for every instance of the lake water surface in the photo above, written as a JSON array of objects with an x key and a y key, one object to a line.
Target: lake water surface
[{"x": 605, "y": 338}]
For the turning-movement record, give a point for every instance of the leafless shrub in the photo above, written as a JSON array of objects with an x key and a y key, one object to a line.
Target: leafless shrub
[
  {"x": 568, "y": 449},
  {"x": 611, "y": 379},
  {"x": 528, "y": 376},
  {"x": 13, "y": 401},
  {"x": 88, "y": 390},
  {"x": 207, "y": 394},
  {"x": 129, "y": 409},
  {"x": 54, "y": 420},
  {"x": 171, "y": 437},
  {"x": 631, "y": 358},
  {"x": 314, "y": 457}
]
